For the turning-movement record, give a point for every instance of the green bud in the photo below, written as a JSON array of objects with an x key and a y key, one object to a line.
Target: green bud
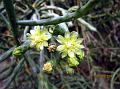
[
  {"x": 17, "y": 51},
  {"x": 73, "y": 62},
  {"x": 69, "y": 70},
  {"x": 81, "y": 55}
]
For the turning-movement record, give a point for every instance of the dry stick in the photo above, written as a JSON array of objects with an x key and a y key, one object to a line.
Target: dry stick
[
  {"x": 66, "y": 18},
  {"x": 12, "y": 18}
]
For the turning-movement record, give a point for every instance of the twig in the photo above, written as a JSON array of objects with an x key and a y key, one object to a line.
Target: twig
[{"x": 92, "y": 28}]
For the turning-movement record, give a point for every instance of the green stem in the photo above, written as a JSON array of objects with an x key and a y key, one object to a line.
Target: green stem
[
  {"x": 7, "y": 54},
  {"x": 15, "y": 72},
  {"x": 12, "y": 18},
  {"x": 2, "y": 17},
  {"x": 116, "y": 73},
  {"x": 66, "y": 18}
]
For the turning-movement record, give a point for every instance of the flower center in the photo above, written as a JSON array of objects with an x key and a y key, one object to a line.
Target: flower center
[{"x": 69, "y": 44}]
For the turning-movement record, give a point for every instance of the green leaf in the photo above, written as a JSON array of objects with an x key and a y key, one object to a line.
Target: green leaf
[{"x": 19, "y": 51}]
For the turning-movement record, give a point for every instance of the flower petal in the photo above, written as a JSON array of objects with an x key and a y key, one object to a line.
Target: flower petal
[
  {"x": 41, "y": 47},
  {"x": 60, "y": 39},
  {"x": 67, "y": 35},
  {"x": 79, "y": 40},
  {"x": 60, "y": 47},
  {"x": 82, "y": 46},
  {"x": 64, "y": 54},
  {"x": 36, "y": 27},
  {"x": 71, "y": 54},
  {"x": 48, "y": 35},
  {"x": 32, "y": 31},
  {"x": 74, "y": 35},
  {"x": 45, "y": 44}
]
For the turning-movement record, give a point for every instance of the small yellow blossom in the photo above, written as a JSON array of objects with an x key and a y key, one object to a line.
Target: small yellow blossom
[
  {"x": 70, "y": 44},
  {"x": 39, "y": 37},
  {"x": 48, "y": 67}
]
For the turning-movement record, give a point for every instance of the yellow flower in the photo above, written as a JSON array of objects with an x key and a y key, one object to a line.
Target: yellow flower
[
  {"x": 39, "y": 37},
  {"x": 47, "y": 67},
  {"x": 70, "y": 44}
]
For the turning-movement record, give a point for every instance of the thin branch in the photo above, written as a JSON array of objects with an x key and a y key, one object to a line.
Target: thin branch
[
  {"x": 63, "y": 11},
  {"x": 12, "y": 18},
  {"x": 66, "y": 18},
  {"x": 2, "y": 17},
  {"x": 7, "y": 54}
]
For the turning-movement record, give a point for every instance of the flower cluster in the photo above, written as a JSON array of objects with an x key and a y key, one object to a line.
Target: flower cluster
[
  {"x": 71, "y": 46},
  {"x": 39, "y": 37}
]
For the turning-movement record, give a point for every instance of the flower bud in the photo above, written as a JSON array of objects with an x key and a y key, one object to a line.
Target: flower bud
[
  {"x": 48, "y": 67},
  {"x": 69, "y": 70},
  {"x": 17, "y": 52}
]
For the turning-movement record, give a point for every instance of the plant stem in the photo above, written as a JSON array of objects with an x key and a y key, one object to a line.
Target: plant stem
[
  {"x": 66, "y": 18},
  {"x": 15, "y": 72},
  {"x": 12, "y": 18},
  {"x": 7, "y": 54}
]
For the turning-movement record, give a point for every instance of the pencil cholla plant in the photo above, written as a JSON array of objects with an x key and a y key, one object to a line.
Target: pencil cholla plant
[
  {"x": 39, "y": 37},
  {"x": 70, "y": 47}
]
